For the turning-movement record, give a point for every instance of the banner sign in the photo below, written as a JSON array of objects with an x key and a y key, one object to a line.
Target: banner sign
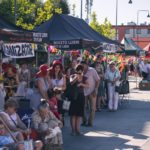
[
  {"x": 109, "y": 48},
  {"x": 23, "y": 36},
  {"x": 18, "y": 50},
  {"x": 67, "y": 44}
]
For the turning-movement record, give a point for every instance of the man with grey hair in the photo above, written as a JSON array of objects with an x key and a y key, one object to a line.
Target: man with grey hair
[{"x": 90, "y": 93}]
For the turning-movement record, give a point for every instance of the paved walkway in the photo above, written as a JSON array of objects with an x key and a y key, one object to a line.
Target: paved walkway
[{"x": 126, "y": 129}]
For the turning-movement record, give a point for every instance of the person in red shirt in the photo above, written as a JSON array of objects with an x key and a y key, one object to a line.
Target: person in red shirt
[{"x": 54, "y": 97}]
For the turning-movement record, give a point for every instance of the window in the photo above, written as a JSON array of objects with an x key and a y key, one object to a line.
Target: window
[
  {"x": 148, "y": 31},
  {"x": 127, "y": 31},
  {"x": 138, "y": 31}
]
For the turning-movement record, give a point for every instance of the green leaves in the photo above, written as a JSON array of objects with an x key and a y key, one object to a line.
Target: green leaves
[
  {"x": 31, "y": 13},
  {"x": 105, "y": 28}
]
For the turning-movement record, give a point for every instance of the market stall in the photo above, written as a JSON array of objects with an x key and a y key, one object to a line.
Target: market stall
[{"x": 66, "y": 33}]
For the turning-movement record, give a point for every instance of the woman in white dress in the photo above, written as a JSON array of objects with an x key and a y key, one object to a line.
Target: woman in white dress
[{"x": 112, "y": 76}]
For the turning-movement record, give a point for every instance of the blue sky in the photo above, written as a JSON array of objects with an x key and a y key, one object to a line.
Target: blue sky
[{"x": 126, "y": 12}]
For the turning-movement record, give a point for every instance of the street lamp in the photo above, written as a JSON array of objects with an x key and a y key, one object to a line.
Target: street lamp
[
  {"x": 130, "y": 2},
  {"x": 81, "y": 8},
  {"x": 138, "y": 12}
]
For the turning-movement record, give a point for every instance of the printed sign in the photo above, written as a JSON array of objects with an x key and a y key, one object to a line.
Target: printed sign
[
  {"x": 109, "y": 48},
  {"x": 23, "y": 36},
  {"x": 67, "y": 44},
  {"x": 18, "y": 50}
]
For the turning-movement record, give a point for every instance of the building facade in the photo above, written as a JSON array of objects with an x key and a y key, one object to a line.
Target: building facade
[{"x": 139, "y": 34}]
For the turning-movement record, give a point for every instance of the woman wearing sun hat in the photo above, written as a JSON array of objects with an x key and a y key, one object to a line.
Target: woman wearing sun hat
[
  {"x": 57, "y": 77},
  {"x": 41, "y": 86}
]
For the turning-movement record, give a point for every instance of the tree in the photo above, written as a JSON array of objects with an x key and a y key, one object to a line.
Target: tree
[
  {"x": 63, "y": 5},
  {"x": 6, "y": 9},
  {"x": 31, "y": 13},
  {"x": 105, "y": 28},
  {"x": 94, "y": 23}
]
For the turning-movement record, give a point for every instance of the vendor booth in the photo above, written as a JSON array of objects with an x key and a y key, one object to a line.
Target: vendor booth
[
  {"x": 17, "y": 43},
  {"x": 66, "y": 33}
]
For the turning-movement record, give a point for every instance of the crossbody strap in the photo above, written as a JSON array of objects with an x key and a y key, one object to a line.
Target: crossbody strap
[{"x": 13, "y": 121}]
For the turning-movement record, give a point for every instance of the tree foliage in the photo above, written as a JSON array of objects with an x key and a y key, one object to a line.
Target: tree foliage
[
  {"x": 94, "y": 23},
  {"x": 31, "y": 13},
  {"x": 105, "y": 28}
]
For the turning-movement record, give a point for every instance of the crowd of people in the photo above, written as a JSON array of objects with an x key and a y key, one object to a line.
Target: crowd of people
[{"x": 87, "y": 87}]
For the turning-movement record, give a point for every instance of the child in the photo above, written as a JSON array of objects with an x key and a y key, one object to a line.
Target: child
[
  {"x": 2, "y": 93},
  {"x": 54, "y": 97}
]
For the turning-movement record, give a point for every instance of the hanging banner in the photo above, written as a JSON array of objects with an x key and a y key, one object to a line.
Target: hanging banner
[
  {"x": 67, "y": 44},
  {"x": 109, "y": 48},
  {"x": 22, "y": 36},
  {"x": 19, "y": 50}
]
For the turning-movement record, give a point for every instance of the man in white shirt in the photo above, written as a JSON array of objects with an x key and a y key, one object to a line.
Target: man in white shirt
[
  {"x": 90, "y": 93},
  {"x": 143, "y": 69}
]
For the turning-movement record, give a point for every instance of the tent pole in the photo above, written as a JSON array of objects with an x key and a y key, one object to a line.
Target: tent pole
[{"x": 36, "y": 59}]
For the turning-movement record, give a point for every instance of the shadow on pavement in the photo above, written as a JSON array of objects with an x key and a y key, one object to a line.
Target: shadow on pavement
[{"x": 124, "y": 129}]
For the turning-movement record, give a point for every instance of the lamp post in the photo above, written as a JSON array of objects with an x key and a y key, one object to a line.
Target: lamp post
[
  {"x": 130, "y": 2},
  {"x": 81, "y": 8},
  {"x": 138, "y": 12},
  {"x": 137, "y": 37}
]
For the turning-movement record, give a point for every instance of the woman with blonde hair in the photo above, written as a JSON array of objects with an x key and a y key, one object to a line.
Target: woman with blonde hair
[{"x": 112, "y": 76}]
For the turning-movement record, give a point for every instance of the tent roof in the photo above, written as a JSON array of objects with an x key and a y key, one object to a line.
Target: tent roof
[
  {"x": 131, "y": 45},
  {"x": 11, "y": 33},
  {"x": 65, "y": 27},
  {"x": 147, "y": 47},
  {"x": 4, "y": 24},
  {"x": 131, "y": 48}
]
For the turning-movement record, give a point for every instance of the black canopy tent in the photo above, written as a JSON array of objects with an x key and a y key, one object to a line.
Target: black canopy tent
[
  {"x": 4, "y": 24},
  {"x": 67, "y": 32},
  {"x": 9, "y": 32}
]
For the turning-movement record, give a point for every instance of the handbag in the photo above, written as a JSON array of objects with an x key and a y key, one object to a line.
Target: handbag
[
  {"x": 117, "y": 88},
  {"x": 66, "y": 104},
  {"x": 124, "y": 87}
]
